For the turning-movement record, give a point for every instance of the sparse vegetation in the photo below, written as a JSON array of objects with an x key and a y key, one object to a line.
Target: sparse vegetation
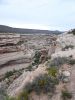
[
  {"x": 43, "y": 83},
  {"x": 72, "y": 32},
  {"x": 67, "y": 47},
  {"x": 13, "y": 74},
  {"x": 66, "y": 95},
  {"x": 29, "y": 68},
  {"x": 20, "y": 42},
  {"x": 46, "y": 83},
  {"x": 8, "y": 74},
  {"x": 57, "y": 62},
  {"x": 3, "y": 94},
  {"x": 72, "y": 61},
  {"x": 37, "y": 57},
  {"x": 23, "y": 96},
  {"x": 52, "y": 71}
]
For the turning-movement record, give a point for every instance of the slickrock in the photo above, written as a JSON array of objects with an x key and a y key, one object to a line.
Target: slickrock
[{"x": 27, "y": 77}]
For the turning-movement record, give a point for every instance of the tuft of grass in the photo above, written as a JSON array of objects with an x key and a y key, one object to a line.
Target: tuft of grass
[
  {"x": 52, "y": 71},
  {"x": 11, "y": 98},
  {"x": 23, "y": 96}
]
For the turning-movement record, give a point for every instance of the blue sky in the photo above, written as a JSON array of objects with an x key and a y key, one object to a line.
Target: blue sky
[{"x": 38, "y": 14}]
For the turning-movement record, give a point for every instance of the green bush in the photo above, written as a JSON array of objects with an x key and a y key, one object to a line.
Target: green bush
[
  {"x": 52, "y": 71},
  {"x": 37, "y": 57},
  {"x": 66, "y": 95}
]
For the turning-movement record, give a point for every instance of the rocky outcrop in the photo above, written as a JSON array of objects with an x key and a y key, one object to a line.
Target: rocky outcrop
[{"x": 65, "y": 46}]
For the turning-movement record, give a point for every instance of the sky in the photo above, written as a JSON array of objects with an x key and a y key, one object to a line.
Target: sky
[{"x": 38, "y": 14}]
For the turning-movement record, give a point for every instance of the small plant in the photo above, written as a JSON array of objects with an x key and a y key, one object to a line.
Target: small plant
[
  {"x": 66, "y": 95},
  {"x": 52, "y": 71}
]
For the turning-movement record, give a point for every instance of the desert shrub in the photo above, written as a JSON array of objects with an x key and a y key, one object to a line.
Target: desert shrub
[
  {"x": 29, "y": 68},
  {"x": 52, "y": 71},
  {"x": 10, "y": 73},
  {"x": 20, "y": 42},
  {"x": 67, "y": 47},
  {"x": 72, "y": 61},
  {"x": 43, "y": 83},
  {"x": 37, "y": 57},
  {"x": 66, "y": 95},
  {"x": 57, "y": 62}
]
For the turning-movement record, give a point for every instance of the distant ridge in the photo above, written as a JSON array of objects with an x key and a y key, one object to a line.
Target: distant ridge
[{"x": 7, "y": 29}]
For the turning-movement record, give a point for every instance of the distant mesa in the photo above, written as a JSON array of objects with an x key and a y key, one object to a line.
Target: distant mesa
[{"x": 7, "y": 29}]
